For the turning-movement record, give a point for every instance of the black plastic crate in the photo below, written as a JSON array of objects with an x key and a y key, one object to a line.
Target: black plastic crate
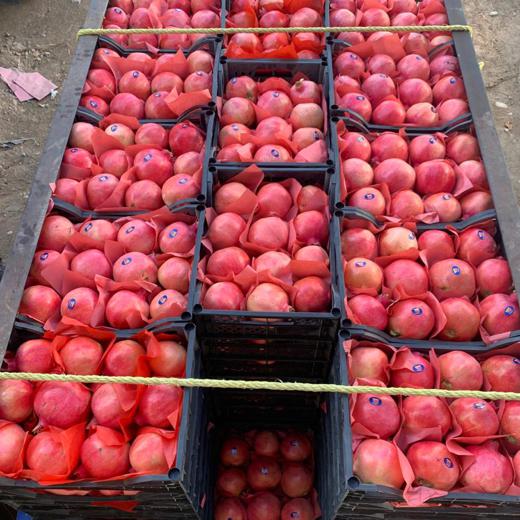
[
  {"x": 204, "y": 118},
  {"x": 318, "y": 412},
  {"x": 261, "y": 69},
  {"x": 356, "y": 122},
  {"x": 358, "y": 331},
  {"x": 260, "y": 325},
  {"x": 180, "y": 494},
  {"x": 375, "y": 501},
  {"x": 32, "y": 326}
]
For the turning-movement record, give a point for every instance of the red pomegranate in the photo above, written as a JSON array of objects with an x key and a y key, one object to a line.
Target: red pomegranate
[
  {"x": 452, "y": 278},
  {"x": 502, "y": 373},
  {"x": 423, "y": 413},
  {"x": 369, "y": 363},
  {"x": 460, "y": 371},
  {"x": 463, "y": 320}
]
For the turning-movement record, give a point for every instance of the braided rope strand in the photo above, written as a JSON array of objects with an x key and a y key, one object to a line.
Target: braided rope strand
[
  {"x": 267, "y": 30},
  {"x": 259, "y": 385}
]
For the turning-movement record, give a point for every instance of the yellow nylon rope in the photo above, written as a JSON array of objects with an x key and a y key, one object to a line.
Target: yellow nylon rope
[
  {"x": 260, "y": 385},
  {"x": 266, "y": 30}
]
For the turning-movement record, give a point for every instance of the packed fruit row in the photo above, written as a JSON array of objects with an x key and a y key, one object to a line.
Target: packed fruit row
[
  {"x": 132, "y": 429},
  {"x": 266, "y": 474},
  {"x": 264, "y": 248},
  {"x": 437, "y": 284},
  {"x": 123, "y": 274},
  {"x": 428, "y": 178},
  {"x": 429, "y": 445}
]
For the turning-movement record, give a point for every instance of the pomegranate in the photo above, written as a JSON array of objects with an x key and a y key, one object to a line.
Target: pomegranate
[
  {"x": 242, "y": 86},
  {"x": 360, "y": 241},
  {"x": 422, "y": 114},
  {"x": 415, "y": 90},
  {"x": 460, "y": 371},
  {"x": 269, "y": 232},
  {"x": 296, "y": 480},
  {"x": 55, "y": 233},
  {"x": 311, "y": 228},
  {"x": 147, "y": 454},
  {"x": 297, "y": 508},
  {"x": 144, "y": 195},
  {"x": 312, "y": 198},
  {"x": 394, "y": 241},
  {"x": 452, "y": 278},
  {"x": 311, "y": 254},
  {"x": 406, "y": 205},
  {"x": 500, "y": 313},
  {"x": 425, "y": 148},
  {"x": 488, "y": 471},
  {"x": 475, "y": 202},
  {"x": 510, "y": 424},
  {"x": 35, "y": 355},
  {"x": 177, "y": 237},
  {"x": 369, "y": 311},
  {"x": 122, "y": 133},
  {"x": 450, "y": 109},
  {"x": 396, "y": 173},
  {"x": 475, "y": 172},
  {"x": 273, "y": 200},
  {"x": 356, "y": 145},
  {"x": 312, "y": 295},
  {"x": 266, "y": 443},
  {"x": 100, "y": 230},
  {"x": 376, "y": 462},
  {"x": 448, "y": 87},
  {"x": 349, "y": 64},
  {"x": 230, "y": 509},
  {"x": 476, "y": 245},
  {"x": 168, "y": 304},
  {"x": 268, "y": 297},
  {"x": 226, "y": 261},
  {"x": 389, "y": 146},
  {"x": 406, "y": 275},
  {"x": 234, "y": 452},
  {"x": 41, "y": 260},
  {"x": 438, "y": 244},
  {"x": 137, "y": 235},
  {"x": 126, "y": 309},
  {"x": 362, "y": 276},
  {"x": 175, "y": 274},
  {"x": 61, "y": 404},
  {"x": 358, "y": 173},
  {"x": 157, "y": 404},
  {"x": 463, "y": 147},
  {"x": 101, "y": 459},
  {"x": 369, "y": 199},
  {"x": 264, "y": 505},
  {"x": 446, "y": 206},
  {"x": 434, "y": 176},
  {"x": 433, "y": 465},
  {"x": 389, "y": 112},
  {"x": 90, "y": 263},
  {"x": 79, "y": 304},
  {"x": 223, "y": 296},
  {"x": 127, "y": 104},
  {"x": 122, "y": 358},
  {"x": 463, "y": 320},
  {"x": 106, "y": 406},
  {"x": 264, "y": 473},
  {"x": 422, "y": 413},
  {"x": 494, "y": 276},
  {"x": 307, "y": 114},
  {"x": 377, "y": 413},
  {"x": 166, "y": 82},
  {"x": 12, "y": 440},
  {"x": 185, "y": 137},
  {"x": 16, "y": 400},
  {"x": 295, "y": 447},
  {"x": 358, "y": 104},
  {"x": 81, "y": 355},
  {"x": 381, "y": 64},
  {"x": 377, "y": 87},
  {"x": 46, "y": 453},
  {"x": 502, "y": 373},
  {"x": 369, "y": 363},
  {"x": 39, "y": 302},
  {"x": 417, "y": 372},
  {"x": 81, "y": 135},
  {"x": 476, "y": 417}
]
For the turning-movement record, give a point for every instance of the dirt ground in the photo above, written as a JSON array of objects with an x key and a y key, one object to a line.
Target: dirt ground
[{"x": 39, "y": 35}]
